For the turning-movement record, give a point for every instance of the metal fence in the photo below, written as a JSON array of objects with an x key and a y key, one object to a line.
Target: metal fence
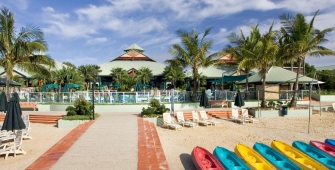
[{"x": 164, "y": 96}]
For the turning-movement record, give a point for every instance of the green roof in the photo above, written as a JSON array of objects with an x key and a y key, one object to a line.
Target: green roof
[
  {"x": 278, "y": 75},
  {"x": 134, "y": 47},
  {"x": 156, "y": 67}
]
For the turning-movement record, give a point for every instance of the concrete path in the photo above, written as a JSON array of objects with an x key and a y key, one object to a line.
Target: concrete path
[{"x": 109, "y": 143}]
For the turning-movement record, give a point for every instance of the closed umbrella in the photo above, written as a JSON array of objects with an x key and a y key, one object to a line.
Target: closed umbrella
[
  {"x": 13, "y": 120},
  {"x": 233, "y": 87},
  {"x": 3, "y": 102},
  {"x": 204, "y": 102},
  {"x": 188, "y": 85},
  {"x": 239, "y": 101},
  {"x": 213, "y": 88},
  {"x": 66, "y": 88},
  {"x": 137, "y": 87},
  {"x": 44, "y": 88}
]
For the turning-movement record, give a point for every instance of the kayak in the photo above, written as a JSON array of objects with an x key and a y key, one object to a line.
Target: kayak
[
  {"x": 296, "y": 156},
  {"x": 203, "y": 159},
  {"x": 228, "y": 159},
  {"x": 330, "y": 142},
  {"x": 252, "y": 158},
  {"x": 274, "y": 157},
  {"x": 315, "y": 153},
  {"x": 329, "y": 149}
]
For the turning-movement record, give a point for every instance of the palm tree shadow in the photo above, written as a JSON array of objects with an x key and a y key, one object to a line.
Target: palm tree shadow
[{"x": 186, "y": 160}]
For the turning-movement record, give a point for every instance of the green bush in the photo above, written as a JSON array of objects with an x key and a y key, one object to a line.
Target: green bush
[
  {"x": 80, "y": 117},
  {"x": 155, "y": 109},
  {"x": 81, "y": 107}
]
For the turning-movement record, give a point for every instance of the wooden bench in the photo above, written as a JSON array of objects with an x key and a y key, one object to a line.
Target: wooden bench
[
  {"x": 222, "y": 103},
  {"x": 32, "y": 105}
]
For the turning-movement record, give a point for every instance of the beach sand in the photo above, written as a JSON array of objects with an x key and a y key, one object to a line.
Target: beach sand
[
  {"x": 44, "y": 137},
  {"x": 178, "y": 145}
]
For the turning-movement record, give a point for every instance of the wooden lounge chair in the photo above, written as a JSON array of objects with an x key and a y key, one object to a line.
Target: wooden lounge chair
[
  {"x": 195, "y": 118},
  {"x": 169, "y": 123},
  {"x": 204, "y": 117},
  {"x": 183, "y": 122}
]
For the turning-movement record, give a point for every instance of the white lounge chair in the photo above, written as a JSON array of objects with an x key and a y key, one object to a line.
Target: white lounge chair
[
  {"x": 235, "y": 116},
  {"x": 4, "y": 150},
  {"x": 204, "y": 117},
  {"x": 195, "y": 118},
  {"x": 182, "y": 121},
  {"x": 169, "y": 123},
  {"x": 16, "y": 148},
  {"x": 247, "y": 117}
]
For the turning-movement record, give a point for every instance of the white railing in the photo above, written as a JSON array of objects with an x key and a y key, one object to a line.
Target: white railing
[{"x": 164, "y": 96}]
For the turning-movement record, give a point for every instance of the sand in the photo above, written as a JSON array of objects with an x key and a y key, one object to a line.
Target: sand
[
  {"x": 44, "y": 137},
  {"x": 178, "y": 145}
]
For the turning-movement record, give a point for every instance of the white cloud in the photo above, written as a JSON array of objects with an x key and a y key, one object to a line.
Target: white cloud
[
  {"x": 96, "y": 40},
  {"x": 48, "y": 9}
]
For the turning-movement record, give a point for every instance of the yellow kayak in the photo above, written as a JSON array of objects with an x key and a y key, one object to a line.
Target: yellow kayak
[
  {"x": 302, "y": 160},
  {"x": 253, "y": 159}
]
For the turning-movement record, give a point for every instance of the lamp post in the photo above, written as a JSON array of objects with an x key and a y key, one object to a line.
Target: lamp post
[{"x": 93, "y": 96}]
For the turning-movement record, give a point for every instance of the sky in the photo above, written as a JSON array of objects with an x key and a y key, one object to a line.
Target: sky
[{"x": 98, "y": 31}]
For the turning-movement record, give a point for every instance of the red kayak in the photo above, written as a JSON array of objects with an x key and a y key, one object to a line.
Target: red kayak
[
  {"x": 204, "y": 160},
  {"x": 324, "y": 147}
]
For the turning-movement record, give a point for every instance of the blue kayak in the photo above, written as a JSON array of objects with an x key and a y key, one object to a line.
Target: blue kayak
[
  {"x": 228, "y": 159},
  {"x": 330, "y": 142},
  {"x": 315, "y": 153},
  {"x": 274, "y": 157}
]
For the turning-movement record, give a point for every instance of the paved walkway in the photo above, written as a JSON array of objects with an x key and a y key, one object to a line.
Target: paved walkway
[{"x": 109, "y": 143}]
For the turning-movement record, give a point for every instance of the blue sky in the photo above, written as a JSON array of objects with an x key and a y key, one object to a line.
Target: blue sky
[{"x": 94, "y": 32}]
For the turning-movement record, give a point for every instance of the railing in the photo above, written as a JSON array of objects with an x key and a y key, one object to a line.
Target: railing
[{"x": 164, "y": 96}]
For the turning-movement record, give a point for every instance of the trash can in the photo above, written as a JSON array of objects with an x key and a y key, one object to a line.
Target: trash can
[{"x": 284, "y": 110}]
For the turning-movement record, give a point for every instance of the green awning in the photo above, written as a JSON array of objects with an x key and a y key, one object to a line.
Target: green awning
[{"x": 229, "y": 79}]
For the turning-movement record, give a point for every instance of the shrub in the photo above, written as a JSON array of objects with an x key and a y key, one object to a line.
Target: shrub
[
  {"x": 155, "y": 109},
  {"x": 81, "y": 107}
]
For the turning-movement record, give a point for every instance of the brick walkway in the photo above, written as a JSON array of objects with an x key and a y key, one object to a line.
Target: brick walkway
[
  {"x": 68, "y": 152},
  {"x": 50, "y": 157},
  {"x": 150, "y": 151}
]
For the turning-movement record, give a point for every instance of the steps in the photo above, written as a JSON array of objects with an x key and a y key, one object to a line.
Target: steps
[
  {"x": 45, "y": 119},
  {"x": 150, "y": 151},
  {"x": 220, "y": 113}
]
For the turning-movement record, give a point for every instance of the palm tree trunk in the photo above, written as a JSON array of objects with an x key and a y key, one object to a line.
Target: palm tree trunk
[
  {"x": 247, "y": 85},
  {"x": 7, "y": 86},
  {"x": 195, "y": 84},
  {"x": 294, "y": 97},
  {"x": 263, "y": 103}
]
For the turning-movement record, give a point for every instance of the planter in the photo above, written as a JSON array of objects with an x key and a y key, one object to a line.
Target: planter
[
  {"x": 156, "y": 120},
  {"x": 70, "y": 123}
]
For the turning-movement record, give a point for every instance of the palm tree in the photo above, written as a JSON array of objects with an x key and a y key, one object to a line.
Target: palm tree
[
  {"x": 174, "y": 74},
  {"x": 193, "y": 52},
  {"x": 89, "y": 72},
  {"x": 144, "y": 74},
  {"x": 301, "y": 39},
  {"x": 265, "y": 55},
  {"x": 117, "y": 73},
  {"x": 23, "y": 50},
  {"x": 240, "y": 48}
]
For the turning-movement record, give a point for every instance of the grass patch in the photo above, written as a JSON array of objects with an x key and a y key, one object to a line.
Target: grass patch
[{"x": 80, "y": 117}]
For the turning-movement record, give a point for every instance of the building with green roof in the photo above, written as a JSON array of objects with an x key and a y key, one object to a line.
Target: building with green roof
[
  {"x": 277, "y": 79},
  {"x": 131, "y": 60}
]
